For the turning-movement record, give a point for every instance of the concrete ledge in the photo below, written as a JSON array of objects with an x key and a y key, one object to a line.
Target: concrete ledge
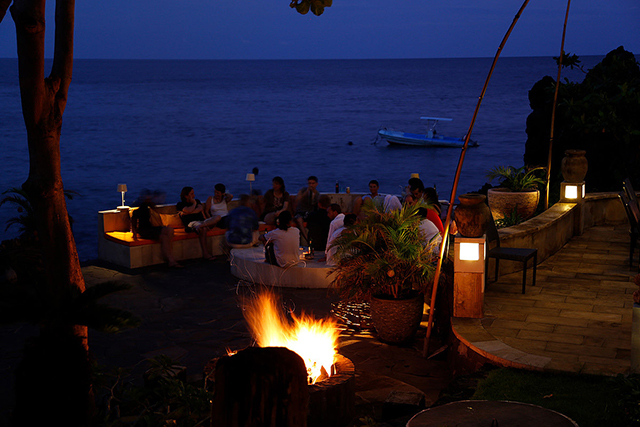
[
  {"x": 249, "y": 264},
  {"x": 470, "y": 336}
]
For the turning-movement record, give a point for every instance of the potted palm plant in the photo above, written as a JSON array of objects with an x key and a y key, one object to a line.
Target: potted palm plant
[
  {"x": 385, "y": 259},
  {"x": 517, "y": 194}
]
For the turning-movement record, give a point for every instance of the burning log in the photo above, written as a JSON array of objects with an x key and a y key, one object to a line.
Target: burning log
[
  {"x": 314, "y": 340},
  {"x": 260, "y": 387}
]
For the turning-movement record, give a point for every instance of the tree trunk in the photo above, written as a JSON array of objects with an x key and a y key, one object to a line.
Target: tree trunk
[{"x": 43, "y": 104}]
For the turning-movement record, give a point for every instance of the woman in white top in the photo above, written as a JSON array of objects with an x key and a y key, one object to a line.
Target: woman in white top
[
  {"x": 216, "y": 210},
  {"x": 281, "y": 245}
]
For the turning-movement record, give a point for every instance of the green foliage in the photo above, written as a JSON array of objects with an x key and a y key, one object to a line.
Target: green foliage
[
  {"x": 166, "y": 401},
  {"x": 627, "y": 388},
  {"x": 384, "y": 254},
  {"x": 162, "y": 366},
  {"x": 517, "y": 179},
  {"x": 513, "y": 219},
  {"x": 316, "y": 6},
  {"x": 26, "y": 220},
  {"x": 368, "y": 422},
  {"x": 591, "y": 401}
]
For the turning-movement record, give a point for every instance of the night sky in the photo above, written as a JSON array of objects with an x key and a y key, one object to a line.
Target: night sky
[{"x": 270, "y": 29}]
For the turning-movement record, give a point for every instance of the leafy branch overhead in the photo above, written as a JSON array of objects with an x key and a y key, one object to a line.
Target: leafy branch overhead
[{"x": 316, "y": 6}]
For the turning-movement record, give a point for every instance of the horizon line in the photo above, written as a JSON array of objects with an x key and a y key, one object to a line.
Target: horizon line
[{"x": 308, "y": 59}]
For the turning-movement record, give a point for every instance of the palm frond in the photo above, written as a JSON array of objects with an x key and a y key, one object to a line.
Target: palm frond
[
  {"x": 26, "y": 221},
  {"x": 517, "y": 179},
  {"x": 384, "y": 253}
]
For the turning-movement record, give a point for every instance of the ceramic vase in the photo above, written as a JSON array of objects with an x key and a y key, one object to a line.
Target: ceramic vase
[
  {"x": 574, "y": 165},
  {"x": 472, "y": 215},
  {"x": 502, "y": 202}
]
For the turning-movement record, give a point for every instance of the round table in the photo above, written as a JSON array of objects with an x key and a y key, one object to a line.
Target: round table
[{"x": 482, "y": 413}]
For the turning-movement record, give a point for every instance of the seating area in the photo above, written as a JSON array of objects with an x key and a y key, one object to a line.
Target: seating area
[{"x": 116, "y": 244}]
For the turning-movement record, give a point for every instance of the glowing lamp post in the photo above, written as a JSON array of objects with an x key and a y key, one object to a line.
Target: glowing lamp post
[
  {"x": 572, "y": 192},
  {"x": 468, "y": 276}
]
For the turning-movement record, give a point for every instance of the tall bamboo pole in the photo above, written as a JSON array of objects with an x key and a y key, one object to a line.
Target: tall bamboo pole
[
  {"x": 553, "y": 110},
  {"x": 454, "y": 189}
]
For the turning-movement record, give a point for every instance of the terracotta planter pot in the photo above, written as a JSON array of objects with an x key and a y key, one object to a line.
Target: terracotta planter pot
[
  {"x": 397, "y": 321},
  {"x": 574, "y": 165},
  {"x": 502, "y": 202},
  {"x": 472, "y": 215}
]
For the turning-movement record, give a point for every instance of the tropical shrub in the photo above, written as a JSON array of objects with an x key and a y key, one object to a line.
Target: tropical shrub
[
  {"x": 384, "y": 254},
  {"x": 517, "y": 179}
]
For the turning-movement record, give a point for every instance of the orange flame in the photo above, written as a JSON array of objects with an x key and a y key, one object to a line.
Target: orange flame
[{"x": 314, "y": 340}]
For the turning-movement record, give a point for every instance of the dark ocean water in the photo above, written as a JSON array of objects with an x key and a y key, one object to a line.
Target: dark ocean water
[{"x": 163, "y": 125}]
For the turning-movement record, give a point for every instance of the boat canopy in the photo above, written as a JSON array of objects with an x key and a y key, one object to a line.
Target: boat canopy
[{"x": 436, "y": 118}]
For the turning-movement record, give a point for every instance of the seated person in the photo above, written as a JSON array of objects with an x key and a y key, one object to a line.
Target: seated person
[
  {"x": 337, "y": 220},
  {"x": 216, "y": 209},
  {"x": 413, "y": 191},
  {"x": 391, "y": 203},
  {"x": 141, "y": 225},
  {"x": 431, "y": 196},
  {"x": 281, "y": 245},
  {"x": 318, "y": 224},
  {"x": 243, "y": 225},
  {"x": 276, "y": 201},
  {"x": 373, "y": 193},
  {"x": 191, "y": 212},
  {"x": 418, "y": 192},
  {"x": 349, "y": 219},
  {"x": 429, "y": 230},
  {"x": 306, "y": 202}
]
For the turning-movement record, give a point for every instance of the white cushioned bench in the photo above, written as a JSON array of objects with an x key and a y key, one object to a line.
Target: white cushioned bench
[{"x": 249, "y": 264}]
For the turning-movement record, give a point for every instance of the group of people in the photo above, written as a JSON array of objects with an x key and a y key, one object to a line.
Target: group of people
[
  {"x": 315, "y": 220},
  {"x": 318, "y": 222},
  {"x": 241, "y": 223}
]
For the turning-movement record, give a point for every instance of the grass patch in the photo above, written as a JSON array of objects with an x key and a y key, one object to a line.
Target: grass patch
[{"x": 588, "y": 400}]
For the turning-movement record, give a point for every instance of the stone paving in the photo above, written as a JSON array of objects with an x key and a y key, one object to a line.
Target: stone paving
[{"x": 578, "y": 316}]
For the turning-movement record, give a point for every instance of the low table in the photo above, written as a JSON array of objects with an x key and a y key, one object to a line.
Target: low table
[{"x": 249, "y": 264}]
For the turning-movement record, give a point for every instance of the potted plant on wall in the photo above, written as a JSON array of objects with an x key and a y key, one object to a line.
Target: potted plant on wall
[
  {"x": 385, "y": 259},
  {"x": 518, "y": 192}
]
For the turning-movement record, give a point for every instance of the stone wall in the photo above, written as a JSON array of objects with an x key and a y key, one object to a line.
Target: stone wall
[{"x": 551, "y": 230}]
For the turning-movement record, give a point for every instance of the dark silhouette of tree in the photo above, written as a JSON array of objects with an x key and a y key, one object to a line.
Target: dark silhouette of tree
[{"x": 599, "y": 115}]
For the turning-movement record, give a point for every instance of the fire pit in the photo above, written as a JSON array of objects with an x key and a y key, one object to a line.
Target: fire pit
[{"x": 330, "y": 376}]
